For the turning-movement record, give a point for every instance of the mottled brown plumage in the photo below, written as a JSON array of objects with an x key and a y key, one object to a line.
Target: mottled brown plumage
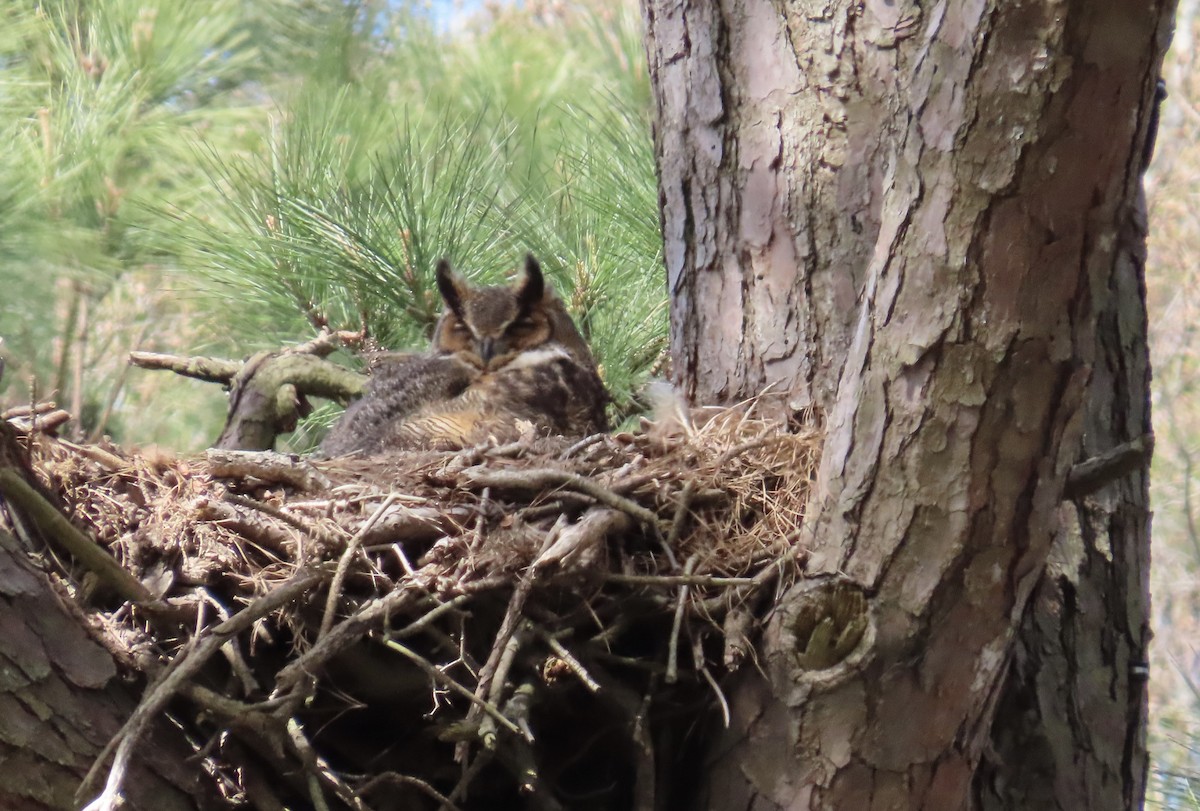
[{"x": 506, "y": 361}]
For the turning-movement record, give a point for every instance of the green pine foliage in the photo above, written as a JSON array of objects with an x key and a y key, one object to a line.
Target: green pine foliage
[
  {"x": 527, "y": 132},
  {"x": 232, "y": 175},
  {"x": 99, "y": 106}
]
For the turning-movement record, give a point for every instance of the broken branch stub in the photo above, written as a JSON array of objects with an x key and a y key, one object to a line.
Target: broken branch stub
[{"x": 268, "y": 392}]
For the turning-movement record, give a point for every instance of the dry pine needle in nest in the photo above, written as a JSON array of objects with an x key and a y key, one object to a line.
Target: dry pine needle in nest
[{"x": 522, "y": 590}]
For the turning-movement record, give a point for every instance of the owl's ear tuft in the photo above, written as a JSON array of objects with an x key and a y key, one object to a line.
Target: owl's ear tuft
[
  {"x": 450, "y": 285},
  {"x": 533, "y": 287}
]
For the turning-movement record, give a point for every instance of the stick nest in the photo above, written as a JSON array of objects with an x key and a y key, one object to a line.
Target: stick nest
[{"x": 506, "y": 626}]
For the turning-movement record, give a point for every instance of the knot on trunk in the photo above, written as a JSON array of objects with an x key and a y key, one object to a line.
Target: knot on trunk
[{"x": 825, "y": 623}]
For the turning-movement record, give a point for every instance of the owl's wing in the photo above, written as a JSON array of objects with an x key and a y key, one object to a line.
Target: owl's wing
[
  {"x": 552, "y": 395},
  {"x": 397, "y": 389}
]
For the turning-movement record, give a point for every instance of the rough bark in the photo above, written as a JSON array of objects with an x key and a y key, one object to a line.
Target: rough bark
[
  {"x": 62, "y": 696},
  {"x": 918, "y": 218},
  {"x": 1070, "y": 729},
  {"x": 267, "y": 397},
  {"x": 268, "y": 391},
  {"x": 61, "y": 700}
]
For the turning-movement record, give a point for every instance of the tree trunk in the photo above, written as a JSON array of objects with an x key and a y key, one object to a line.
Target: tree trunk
[
  {"x": 61, "y": 701},
  {"x": 924, "y": 221}
]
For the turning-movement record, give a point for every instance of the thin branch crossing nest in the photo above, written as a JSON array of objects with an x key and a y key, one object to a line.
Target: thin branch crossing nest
[{"x": 536, "y": 625}]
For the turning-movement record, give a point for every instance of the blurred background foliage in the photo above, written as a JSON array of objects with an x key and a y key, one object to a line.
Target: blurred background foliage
[
  {"x": 232, "y": 175},
  {"x": 223, "y": 176}
]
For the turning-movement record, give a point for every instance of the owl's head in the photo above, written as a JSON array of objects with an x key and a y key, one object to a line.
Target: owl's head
[{"x": 490, "y": 326}]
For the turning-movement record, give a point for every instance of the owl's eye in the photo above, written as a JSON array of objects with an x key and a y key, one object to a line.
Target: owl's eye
[{"x": 522, "y": 327}]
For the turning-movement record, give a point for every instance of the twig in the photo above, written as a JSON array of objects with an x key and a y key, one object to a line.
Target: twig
[
  {"x": 673, "y": 646},
  {"x": 571, "y": 542},
  {"x": 308, "y": 757},
  {"x": 716, "y": 690},
  {"x": 230, "y": 649},
  {"x": 681, "y": 516},
  {"x": 186, "y": 665},
  {"x": 510, "y": 450},
  {"x": 795, "y": 551},
  {"x": 487, "y": 728},
  {"x": 766, "y": 575},
  {"x": 488, "y": 583},
  {"x": 294, "y": 521},
  {"x": 418, "y": 625},
  {"x": 319, "y": 771},
  {"x": 401, "y": 556},
  {"x": 40, "y": 423},
  {"x": 55, "y": 526},
  {"x": 448, "y": 681},
  {"x": 211, "y": 370},
  {"x": 507, "y": 657},
  {"x": 110, "y": 798},
  {"x": 253, "y": 527},
  {"x": 749, "y": 445},
  {"x": 519, "y": 707},
  {"x": 586, "y": 442},
  {"x": 736, "y": 627},
  {"x": 416, "y": 524},
  {"x": 261, "y": 733},
  {"x": 679, "y": 580},
  {"x": 1092, "y": 474},
  {"x": 627, "y": 482},
  {"x": 359, "y": 624},
  {"x": 469, "y": 773},
  {"x": 28, "y": 409},
  {"x": 495, "y": 669},
  {"x": 344, "y": 634},
  {"x": 557, "y": 506},
  {"x": 548, "y": 478},
  {"x": 244, "y": 713},
  {"x": 314, "y": 792},
  {"x": 491, "y": 668},
  {"x": 408, "y": 780},
  {"x": 326, "y": 343},
  {"x": 508, "y": 627},
  {"x": 481, "y": 516},
  {"x": 110, "y": 461},
  {"x": 519, "y": 757},
  {"x": 270, "y": 466},
  {"x": 343, "y": 566}
]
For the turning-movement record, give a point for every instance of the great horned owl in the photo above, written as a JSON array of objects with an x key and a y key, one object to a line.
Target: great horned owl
[{"x": 505, "y": 360}]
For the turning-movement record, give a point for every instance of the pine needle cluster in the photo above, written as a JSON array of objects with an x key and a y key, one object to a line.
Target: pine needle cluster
[
  {"x": 259, "y": 171},
  {"x": 476, "y": 145}
]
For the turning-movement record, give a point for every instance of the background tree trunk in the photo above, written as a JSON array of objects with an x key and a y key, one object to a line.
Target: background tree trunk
[{"x": 924, "y": 220}]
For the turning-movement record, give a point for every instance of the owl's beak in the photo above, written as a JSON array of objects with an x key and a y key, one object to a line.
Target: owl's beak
[{"x": 487, "y": 350}]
